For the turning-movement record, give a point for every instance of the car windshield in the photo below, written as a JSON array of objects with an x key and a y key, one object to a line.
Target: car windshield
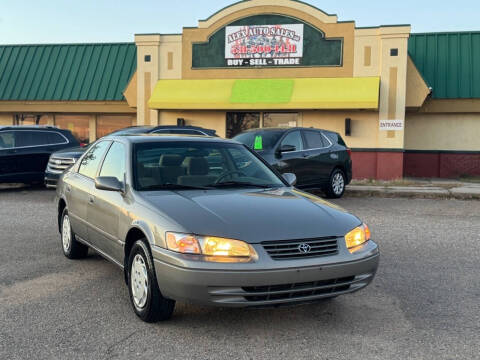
[
  {"x": 188, "y": 165},
  {"x": 260, "y": 140}
]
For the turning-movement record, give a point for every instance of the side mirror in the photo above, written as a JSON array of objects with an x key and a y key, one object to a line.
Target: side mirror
[
  {"x": 290, "y": 178},
  {"x": 109, "y": 183},
  {"x": 286, "y": 148}
]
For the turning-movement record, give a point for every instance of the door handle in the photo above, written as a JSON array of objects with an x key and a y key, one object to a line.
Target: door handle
[{"x": 91, "y": 199}]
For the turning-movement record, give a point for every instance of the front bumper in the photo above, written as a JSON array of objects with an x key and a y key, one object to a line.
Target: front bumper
[
  {"x": 51, "y": 179},
  {"x": 265, "y": 287}
]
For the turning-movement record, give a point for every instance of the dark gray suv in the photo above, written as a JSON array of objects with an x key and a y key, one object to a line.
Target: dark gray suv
[{"x": 319, "y": 158}]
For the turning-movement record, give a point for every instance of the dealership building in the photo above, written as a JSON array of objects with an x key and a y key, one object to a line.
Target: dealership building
[{"x": 406, "y": 104}]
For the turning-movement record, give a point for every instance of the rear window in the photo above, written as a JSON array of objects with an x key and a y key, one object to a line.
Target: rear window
[
  {"x": 260, "y": 140},
  {"x": 335, "y": 138}
]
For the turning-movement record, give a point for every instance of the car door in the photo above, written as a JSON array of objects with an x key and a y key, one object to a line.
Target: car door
[
  {"x": 318, "y": 163},
  {"x": 292, "y": 161},
  {"x": 8, "y": 164},
  {"x": 80, "y": 188},
  {"x": 104, "y": 210}
]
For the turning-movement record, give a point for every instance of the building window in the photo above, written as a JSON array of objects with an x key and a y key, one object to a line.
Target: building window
[
  {"x": 30, "y": 119},
  {"x": 238, "y": 122},
  {"x": 148, "y": 58},
  {"x": 79, "y": 125},
  {"x": 393, "y": 52},
  {"x": 107, "y": 124},
  {"x": 280, "y": 119}
]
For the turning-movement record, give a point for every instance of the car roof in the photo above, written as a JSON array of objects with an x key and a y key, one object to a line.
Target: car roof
[
  {"x": 283, "y": 129},
  {"x": 143, "y": 138},
  {"x": 30, "y": 127}
]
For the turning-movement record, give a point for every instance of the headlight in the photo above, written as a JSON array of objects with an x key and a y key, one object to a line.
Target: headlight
[
  {"x": 213, "y": 248},
  {"x": 357, "y": 237}
]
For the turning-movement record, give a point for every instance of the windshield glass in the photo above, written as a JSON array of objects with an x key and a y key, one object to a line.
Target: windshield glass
[
  {"x": 202, "y": 165},
  {"x": 260, "y": 140}
]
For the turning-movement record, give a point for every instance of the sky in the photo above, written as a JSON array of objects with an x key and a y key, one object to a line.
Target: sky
[{"x": 68, "y": 21}]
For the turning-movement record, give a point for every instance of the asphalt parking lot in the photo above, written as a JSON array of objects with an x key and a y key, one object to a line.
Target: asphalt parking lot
[{"x": 423, "y": 304}]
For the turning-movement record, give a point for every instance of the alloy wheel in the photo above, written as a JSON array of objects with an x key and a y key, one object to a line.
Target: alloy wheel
[{"x": 338, "y": 183}]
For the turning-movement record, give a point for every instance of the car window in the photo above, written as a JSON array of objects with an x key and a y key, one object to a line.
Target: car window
[
  {"x": 186, "y": 132},
  {"x": 31, "y": 138},
  {"x": 260, "y": 140},
  {"x": 157, "y": 165},
  {"x": 55, "y": 138},
  {"x": 7, "y": 139},
  {"x": 293, "y": 139},
  {"x": 314, "y": 140},
  {"x": 114, "y": 163},
  {"x": 91, "y": 160}
]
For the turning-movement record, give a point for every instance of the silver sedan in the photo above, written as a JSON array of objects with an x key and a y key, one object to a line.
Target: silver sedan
[{"x": 207, "y": 220}]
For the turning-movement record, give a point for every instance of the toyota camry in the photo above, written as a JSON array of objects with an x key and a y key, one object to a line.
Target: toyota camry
[{"x": 206, "y": 220}]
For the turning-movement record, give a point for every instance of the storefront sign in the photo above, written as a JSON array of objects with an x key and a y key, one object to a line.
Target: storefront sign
[
  {"x": 264, "y": 45},
  {"x": 392, "y": 125}
]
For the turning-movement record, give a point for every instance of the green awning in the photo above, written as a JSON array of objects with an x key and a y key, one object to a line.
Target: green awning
[{"x": 267, "y": 94}]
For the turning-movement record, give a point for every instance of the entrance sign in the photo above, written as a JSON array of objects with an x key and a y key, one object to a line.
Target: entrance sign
[
  {"x": 396, "y": 125},
  {"x": 264, "y": 45}
]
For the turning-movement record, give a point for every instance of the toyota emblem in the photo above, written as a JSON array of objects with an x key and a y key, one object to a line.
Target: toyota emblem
[{"x": 304, "y": 248}]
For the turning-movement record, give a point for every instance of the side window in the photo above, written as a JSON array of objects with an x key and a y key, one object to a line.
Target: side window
[
  {"x": 55, "y": 138},
  {"x": 91, "y": 161},
  {"x": 315, "y": 140},
  {"x": 114, "y": 163},
  {"x": 7, "y": 139},
  {"x": 293, "y": 139},
  {"x": 31, "y": 138}
]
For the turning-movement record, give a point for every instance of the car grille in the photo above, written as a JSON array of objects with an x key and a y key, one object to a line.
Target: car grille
[
  {"x": 59, "y": 165},
  {"x": 304, "y": 248},
  {"x": 298, "y": 290}
]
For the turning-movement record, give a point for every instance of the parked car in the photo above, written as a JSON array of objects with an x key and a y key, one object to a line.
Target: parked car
[
  {"x": 25, "y": 150},
  {"x": 62, "y": 160},
  {"x": 319, "y": 158},
  {"x": 207, "y": 220}
]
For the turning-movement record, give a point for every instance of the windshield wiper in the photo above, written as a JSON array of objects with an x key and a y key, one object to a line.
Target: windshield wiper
[
  {"x": 174, "y": 187},
  {"x": 239, "y": 184}
]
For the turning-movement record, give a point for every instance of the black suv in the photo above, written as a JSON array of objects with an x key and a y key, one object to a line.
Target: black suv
[
  {"x": 25, "y": 150},
  {"x": 62, "y": 160},
  {"x": 319, "y": 158}
]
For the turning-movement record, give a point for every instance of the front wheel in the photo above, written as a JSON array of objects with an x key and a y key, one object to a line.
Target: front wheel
[
  {"x": 336, "y": 184},
  {"x": 72, "y": 249},
  {"x": 147, "y": 301}
]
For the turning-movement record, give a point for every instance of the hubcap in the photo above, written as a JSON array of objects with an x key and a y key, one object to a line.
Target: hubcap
[
  {"x": 66, "y": 234},
  {"x": 139, "y": 281},
  {"x": 338, "y": 184}
]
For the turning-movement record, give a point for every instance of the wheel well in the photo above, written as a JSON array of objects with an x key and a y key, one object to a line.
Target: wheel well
[
  {"x": 133, "y": 235},
  {"x": 61, "y": 206},
  {"x": 341, "y": 168}
]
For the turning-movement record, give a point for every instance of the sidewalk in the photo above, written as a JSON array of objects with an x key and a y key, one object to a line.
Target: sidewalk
[{"x": 413, "y": 188}]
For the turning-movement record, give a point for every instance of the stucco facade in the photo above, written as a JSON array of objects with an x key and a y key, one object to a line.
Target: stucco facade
[{"x": 402, "y": 123}]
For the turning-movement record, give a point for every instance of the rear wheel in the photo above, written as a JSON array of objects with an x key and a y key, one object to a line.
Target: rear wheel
[
  {"x": 72, "y": 248},
  {"x": 147, "y": 301},
  {"x": 336, "y": 184}
]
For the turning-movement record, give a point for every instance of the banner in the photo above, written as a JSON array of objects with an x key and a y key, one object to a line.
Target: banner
[{"x": 264, "y": 45}]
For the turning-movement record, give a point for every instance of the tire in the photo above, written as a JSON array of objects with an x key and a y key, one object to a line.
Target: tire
[
  {"x": 145, "y": 296},
  {"x": 72, "y": 248},
  {"x": 336, "y": 184}
]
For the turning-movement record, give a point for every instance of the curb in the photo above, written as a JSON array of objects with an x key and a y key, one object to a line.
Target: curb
[{"x": 385, "y": 193}]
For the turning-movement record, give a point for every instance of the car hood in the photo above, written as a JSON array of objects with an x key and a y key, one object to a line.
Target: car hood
[
  {"x": 74, "y": 152},
  {"x": 252, "y": 215}
]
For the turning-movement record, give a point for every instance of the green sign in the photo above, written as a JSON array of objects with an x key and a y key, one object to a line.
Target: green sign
[
  {"x": 267, "y": 41},
  {"x": 258, "y": 143}
]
